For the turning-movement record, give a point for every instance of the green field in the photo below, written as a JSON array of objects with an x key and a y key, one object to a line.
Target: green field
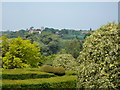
[{"x": 34, "y": 78}]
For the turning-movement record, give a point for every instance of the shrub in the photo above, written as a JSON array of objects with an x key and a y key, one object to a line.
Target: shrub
[
  {"x": 51, "y": 69},
  {"x": 100, "y": 59},
  {"x": 66, "y": 61}
]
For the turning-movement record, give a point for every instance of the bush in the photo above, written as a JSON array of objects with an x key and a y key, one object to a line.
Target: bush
[
  {"x": 51, "y": 69},
  {"x": 100, "y": 59},
  {"x": 66, "y": 61}
]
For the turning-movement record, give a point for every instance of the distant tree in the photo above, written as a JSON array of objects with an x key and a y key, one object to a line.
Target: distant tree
[
  {"x": 33, "y": 37},
  {"x": 50, "y": 43},
  {"x": 90, "y": 29},
  {"x": 54, "y": 46},
  {"x": 64, "y": 31},
  {"x": 51, "y": 30},
  {"x": 74, "y": 47},
  {"x": 15, "y": 34},
  {"x": 86, "y": 35}
]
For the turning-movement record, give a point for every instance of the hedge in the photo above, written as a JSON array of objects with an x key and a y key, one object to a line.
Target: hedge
[
  {"x": 24, "y": 74},
  {"x": 53, "y": 82},
  {"x": 51, "y": 69},
  {"x": 70, "y": 73},
  {"x": 19, "y": 74}
]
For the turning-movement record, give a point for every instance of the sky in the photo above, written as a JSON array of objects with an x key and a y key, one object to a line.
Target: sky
[{"x": 58, "y": 15}]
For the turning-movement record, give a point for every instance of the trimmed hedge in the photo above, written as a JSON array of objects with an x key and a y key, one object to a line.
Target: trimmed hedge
[
  {"x": 26, "y": 76},
  {"x": 53, "y": 82},
  {"x": 20, "y": 74},
  {"x": 52, "y": 69},
  {"x": 70, "y": 73},
  {"x": 16, "y": 74}
]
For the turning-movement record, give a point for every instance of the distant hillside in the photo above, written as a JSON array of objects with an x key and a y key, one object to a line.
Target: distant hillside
[{"x": 64, "y": 33}]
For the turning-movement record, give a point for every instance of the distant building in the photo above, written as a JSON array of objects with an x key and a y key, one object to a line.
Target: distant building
[
  {"x": 85, "y": 32},
  {"x": 57, "y": 33},
  {"x": 38, "y": 31},
  {"x": 31, "y": 31}
]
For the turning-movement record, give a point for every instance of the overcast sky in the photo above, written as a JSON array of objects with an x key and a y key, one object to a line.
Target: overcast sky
[{"x": 59, "y": 15}]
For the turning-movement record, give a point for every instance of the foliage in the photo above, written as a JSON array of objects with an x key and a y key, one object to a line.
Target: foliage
[
  {"x": 79, "y": 36},
  {"x": 49, "y": 59},
  {"x": 50, "y": 39},
  {"x": 52, "y": 30},
  {"x": 49, "y": 43},
  {"x": 0, "y": 63},
  {"x": 21, "y": 53},
  {"x": 100, "y": 59},
  {"x": 74, "y": 47},
  {"x": 32, "y": 37},
  {"x": 4, "y": 45},
  {"x": 65, "y": 60},
  {"x": 87, "y": 35},
  {"x": 15, "y": 34},
  {"x": 51, "y": 69},
  {"x": 64, "y": 31}
]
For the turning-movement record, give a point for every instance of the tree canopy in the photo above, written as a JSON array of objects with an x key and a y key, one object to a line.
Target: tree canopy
[
  {"x": 74, "y": 47},
  {"x": 19, "y": 53}
]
